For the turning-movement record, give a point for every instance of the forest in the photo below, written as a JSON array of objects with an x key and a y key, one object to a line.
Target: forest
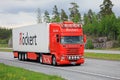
[{"x": 5, "y": 35}]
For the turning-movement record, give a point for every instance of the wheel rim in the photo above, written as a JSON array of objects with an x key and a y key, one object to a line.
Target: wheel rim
[
  {"x": 54, "y": 61},
  {"x": 41, "y": 59},
  {"x": 25, "y": 56},
  {"x": 19, "y": 56}
]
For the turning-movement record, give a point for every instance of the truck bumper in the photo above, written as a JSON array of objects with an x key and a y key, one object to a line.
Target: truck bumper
[{"x": 66, "y": 62}]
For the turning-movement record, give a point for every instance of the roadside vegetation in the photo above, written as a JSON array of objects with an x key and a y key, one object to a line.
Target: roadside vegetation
[
  {"x": 103, "y": 56},
  {"x": 118, "y": 48},
  {"x": 5, "y": 35},
  {"x": 14, "y": 73},
  {"x": 113, "y": 49},
  {"x": 3, "y": 45},
  {"x": 5, "y": 50}
]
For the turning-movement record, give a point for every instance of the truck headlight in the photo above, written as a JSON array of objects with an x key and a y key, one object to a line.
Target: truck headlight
[
  {"x": 63, "y": 58},
  {"x": 78, "y": 57}
]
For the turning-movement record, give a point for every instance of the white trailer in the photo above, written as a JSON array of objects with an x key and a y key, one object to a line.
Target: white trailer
[{"x": 33, "y": 38}]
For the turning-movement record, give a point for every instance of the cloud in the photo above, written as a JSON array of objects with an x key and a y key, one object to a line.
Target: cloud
[
  {"x": 20, "y": 12},
  {"x": 13, "y": 20},
  {"x": 14, "y": 6},
  {"x": 116, "y": 7}
]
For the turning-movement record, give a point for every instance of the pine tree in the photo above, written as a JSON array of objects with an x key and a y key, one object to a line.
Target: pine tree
[
  {"x": 106, "y": 8},
  {"x": 75, "y": 15},
  {"x": 90, "y": 15},
  {"x": 88, "y": 18},
  {"x": 46, "y": 17},
  {"x": 64, "y": 16},
  {"x": 56, "y": 17}
]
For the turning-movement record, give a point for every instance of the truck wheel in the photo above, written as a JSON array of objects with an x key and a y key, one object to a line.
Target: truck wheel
[
  {"x": 54, "y": 63},
  {"x": 40, "y": 59},
  {"x": 25, "y": 56},
  {"x": 19, "y": 56},
  {"x": 78, "y": 64}
]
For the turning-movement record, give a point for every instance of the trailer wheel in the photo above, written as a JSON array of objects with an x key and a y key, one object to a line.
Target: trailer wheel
[
  {"x": 19, "y": 56},
  {"x": 40, "y": 59},
  {"x": 54, "y": 63},
  {"x": 25, "y": 56}
]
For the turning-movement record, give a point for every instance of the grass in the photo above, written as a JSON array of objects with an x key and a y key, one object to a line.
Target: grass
[
  {"x": 14, "y": 73},
  {"x": 103, "y": 56},
  {"x": 3, "y": 45},
  {"x": 6, "y": 50},
  {"x": 114, "y": 48},
  {"x": 118, "y": 48}
]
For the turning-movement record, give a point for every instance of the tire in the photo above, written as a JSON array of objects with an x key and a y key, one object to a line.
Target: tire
[
  {"x": 40, "y": 59},
  {"x": 19, "y": 56},
  {"x": 54, "y": 63},
  {"x": 25, "y": 56},
  {"x": 78, "y": 64}
]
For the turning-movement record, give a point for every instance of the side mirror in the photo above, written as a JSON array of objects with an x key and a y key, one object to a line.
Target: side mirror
[{"x": 84, "y": 38}]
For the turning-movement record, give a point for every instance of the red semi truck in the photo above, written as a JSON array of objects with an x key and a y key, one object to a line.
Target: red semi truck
[{"x": 53, "y": 43}]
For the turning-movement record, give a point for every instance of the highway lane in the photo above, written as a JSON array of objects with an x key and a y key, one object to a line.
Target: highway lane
[{"x": 92, "y": 69}]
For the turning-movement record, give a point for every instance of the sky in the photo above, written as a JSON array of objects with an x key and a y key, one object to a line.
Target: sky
[{"x": 16, "y": 13}]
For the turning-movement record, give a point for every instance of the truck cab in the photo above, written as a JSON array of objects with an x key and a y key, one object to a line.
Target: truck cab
[{"x": 67, "y": 43}]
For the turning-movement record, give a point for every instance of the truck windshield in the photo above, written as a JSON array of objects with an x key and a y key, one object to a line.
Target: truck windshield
[{"x": 72, "y": 40}]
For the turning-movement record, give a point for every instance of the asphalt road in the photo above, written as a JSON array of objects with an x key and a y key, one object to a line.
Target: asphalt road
[{"x": 92, "y": 69}]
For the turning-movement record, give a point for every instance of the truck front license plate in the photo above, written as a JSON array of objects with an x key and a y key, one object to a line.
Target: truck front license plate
[{"x": 73, "y": 63}]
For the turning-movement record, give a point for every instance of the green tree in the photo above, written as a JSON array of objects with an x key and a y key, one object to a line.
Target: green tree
[
  {"x": 89, "y": 44},
  {"x": 46, "y": 17},
  {"x": 108, "y": 24},
  {"x": 91, "y": 23},
  {"x": 106, "y": 8},
  {"x": 64, "y": 16},
  {"x": 5, "y": 34},
  {"x": 90, "y": 16},
  {"x": 56, "y": 15},
  {"x": 118, "y": 29},
  {"x": 108, "y": 20},
  {"x": 75, "y": 15},
  {"x": 85, "y": 19}
]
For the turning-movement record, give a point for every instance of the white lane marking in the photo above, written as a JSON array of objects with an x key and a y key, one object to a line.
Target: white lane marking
[{"x": 102, "y": 75}]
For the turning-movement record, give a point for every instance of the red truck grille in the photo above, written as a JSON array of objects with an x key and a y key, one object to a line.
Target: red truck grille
[{"x": 72, "y": 51}]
